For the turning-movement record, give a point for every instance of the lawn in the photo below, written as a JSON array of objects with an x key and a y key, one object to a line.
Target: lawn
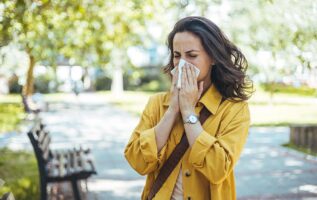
[
  {"x": 18, "y": 169},
  {"x": 11, "y": 115}
]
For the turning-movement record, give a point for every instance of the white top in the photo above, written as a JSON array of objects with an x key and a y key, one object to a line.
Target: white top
[{"x": 178, "y": 188}]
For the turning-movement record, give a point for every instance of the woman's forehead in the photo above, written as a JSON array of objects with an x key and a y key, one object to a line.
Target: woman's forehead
[{"x": 186, "y": 41}]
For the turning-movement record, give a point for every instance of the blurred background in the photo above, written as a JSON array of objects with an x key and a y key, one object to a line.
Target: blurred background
[{"x": 89, "y": 67}]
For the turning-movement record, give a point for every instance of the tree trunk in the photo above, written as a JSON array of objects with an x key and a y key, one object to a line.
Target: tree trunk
[
  {"x": 117, "y": 78},
  {"x": 55, "y": 80},
  {"x": 29, "y": 86}
]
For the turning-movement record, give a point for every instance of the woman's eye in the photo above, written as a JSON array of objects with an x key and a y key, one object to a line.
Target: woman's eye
[
  {"x": 193, "y": 56},
  {"x": 176, "y": 56}
]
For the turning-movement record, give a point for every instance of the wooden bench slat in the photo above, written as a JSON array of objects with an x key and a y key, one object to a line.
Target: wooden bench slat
[
  {"x": 75, "y": 162},
  {"x": 61, "y": 165},
  {"x": 86, "y": 159},
  {"x": 41, "y": 134},
  {"x": 45, "y": 148}
]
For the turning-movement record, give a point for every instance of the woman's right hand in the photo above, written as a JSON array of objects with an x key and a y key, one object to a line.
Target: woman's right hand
[{"x": 174, "y": 103}]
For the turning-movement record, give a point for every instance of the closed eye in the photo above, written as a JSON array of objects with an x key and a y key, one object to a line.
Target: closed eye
[
  {"x": 176, "y": 55},
  {"x": 193, "y": 56}
]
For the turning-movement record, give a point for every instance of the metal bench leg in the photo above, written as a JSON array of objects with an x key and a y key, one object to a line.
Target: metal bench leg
[
  {"x": 43, "y": 190},
  {"x": 86, "y": 184},
  {"x": 75, "y": 189}
]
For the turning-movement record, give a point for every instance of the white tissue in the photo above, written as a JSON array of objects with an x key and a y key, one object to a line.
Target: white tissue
[{"x": 180, "y": 66}]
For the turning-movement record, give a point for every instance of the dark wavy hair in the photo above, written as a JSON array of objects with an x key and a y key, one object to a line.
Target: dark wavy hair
[{"x": 229, "y": 70}]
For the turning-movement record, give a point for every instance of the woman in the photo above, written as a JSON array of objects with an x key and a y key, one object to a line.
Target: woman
[{"x": 205, "y": 170}]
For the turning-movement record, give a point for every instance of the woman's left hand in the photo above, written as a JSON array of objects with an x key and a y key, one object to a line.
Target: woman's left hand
[{"x": 189, "y": 93}]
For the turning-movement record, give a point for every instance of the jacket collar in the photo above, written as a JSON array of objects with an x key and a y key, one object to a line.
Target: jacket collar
[{"x": 211, "y": 99}]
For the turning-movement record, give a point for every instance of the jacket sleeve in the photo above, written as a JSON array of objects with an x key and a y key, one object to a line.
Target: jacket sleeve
[
  {"x": 141, "y": 150},
  {"x": 215, "y": 157}
]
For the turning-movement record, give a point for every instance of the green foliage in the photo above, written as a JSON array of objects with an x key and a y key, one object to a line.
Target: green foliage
[
  {"x": 146, "y": 79},
  {"x": 79, "y": 32},
  {"x": 88, "y": 32},
  {"x": 41, "y": 84},
  {"x": 157, "y": 84},
  {"x": 152, "y": 86},
  {"x": 300, "y": 149},
  {"x": 11, "y": 115},
  {"x": 281, "y": 37},
  {"x": 85, "y": 32},
  {"x": 19, "y": 171},
  {"x": 288, "y": 89},
  {"x": 14, "y": 86},
  {"x": 103, "y": 83}
]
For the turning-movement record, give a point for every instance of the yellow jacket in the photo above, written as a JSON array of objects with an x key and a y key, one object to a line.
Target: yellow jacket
[{"x": 208, "y": 165}]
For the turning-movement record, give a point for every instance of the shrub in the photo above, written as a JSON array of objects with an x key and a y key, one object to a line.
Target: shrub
[
  {"x": 41, "y": 84},
  {"x": 14, "y": 86},
  {"x": 103, "y": 83},
  {"x": 288, "y": 89},
  {"x": 19, "y": 171},
  {"x": 11, "y": 115}
]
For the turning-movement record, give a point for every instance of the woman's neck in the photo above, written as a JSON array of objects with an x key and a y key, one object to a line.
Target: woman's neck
[{"x": 207, "y": 84}]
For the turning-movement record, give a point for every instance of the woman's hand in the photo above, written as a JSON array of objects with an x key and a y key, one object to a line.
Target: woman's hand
[
  {"x": 174, "y": 105},
  {"x": 190, "y": 93}
]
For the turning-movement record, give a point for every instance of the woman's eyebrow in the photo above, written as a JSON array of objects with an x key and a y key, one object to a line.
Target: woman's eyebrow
[
  {"x": 192, "y": 50},
  {"x": 189, "y": 51}
]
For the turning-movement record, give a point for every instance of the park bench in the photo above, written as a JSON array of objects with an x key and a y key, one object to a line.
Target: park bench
[
  {"x": 29, "y": 106},
  {"x": 304, "y": 135},
  {"x": 71, "y": 165}
]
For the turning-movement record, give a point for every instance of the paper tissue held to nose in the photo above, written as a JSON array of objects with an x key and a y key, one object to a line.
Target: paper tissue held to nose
[{"x": 181, "y": 64}]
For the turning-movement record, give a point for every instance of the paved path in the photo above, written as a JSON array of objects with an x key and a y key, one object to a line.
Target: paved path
[{"x": 265, "y": 171}]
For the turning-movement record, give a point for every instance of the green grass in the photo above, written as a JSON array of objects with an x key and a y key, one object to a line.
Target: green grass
[
  {"x": 18, "y": 169},
  {"x": 282, "y": 109},
  {"x": 301, "y": 149},
  {"x": 11, "y": 98},
  {"x": 288, "y": 89},
  {"x": 130, "y": 101},
  {"x": 11, "y": 115}
]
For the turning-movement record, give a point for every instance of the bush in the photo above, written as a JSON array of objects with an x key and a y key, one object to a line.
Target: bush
[
  {"x": 41, "y": 84},
  {"x": 103, "y": 83},
  {"x": 146, "y": 79},
  {"x": 288, "y": 89},
  {"x": 14, "y": 86},
  {"x": 11, "y": 115},
  {"x": 19, "y": 171}
]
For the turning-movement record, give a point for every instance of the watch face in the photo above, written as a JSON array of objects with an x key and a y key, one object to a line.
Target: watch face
[{"x": 192, "y": 119}]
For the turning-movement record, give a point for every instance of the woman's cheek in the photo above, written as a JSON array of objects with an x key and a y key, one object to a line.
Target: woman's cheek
[{"x": 202, "y": 74}]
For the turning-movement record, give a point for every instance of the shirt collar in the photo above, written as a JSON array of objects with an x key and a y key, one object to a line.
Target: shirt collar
[{"x": 211, "y": 99}]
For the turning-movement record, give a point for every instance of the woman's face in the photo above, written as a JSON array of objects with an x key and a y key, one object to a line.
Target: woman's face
[{"x": 188, "y": 46}]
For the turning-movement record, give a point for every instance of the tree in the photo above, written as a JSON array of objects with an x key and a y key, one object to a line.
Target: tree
[
  {"x": 32, "y": 28},
  {"x": 85, "y": 32}
]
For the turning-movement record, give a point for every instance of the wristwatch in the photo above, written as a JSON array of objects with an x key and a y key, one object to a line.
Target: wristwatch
[{"x": 191, "y": 119}]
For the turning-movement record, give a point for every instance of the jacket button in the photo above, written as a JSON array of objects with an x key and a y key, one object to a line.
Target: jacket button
[
  {"x": 187, "y": 174},
  {"x": 189, "y": 198}
]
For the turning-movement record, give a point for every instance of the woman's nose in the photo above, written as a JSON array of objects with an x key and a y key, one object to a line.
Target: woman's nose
[{"x": 178, "y": 61}]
